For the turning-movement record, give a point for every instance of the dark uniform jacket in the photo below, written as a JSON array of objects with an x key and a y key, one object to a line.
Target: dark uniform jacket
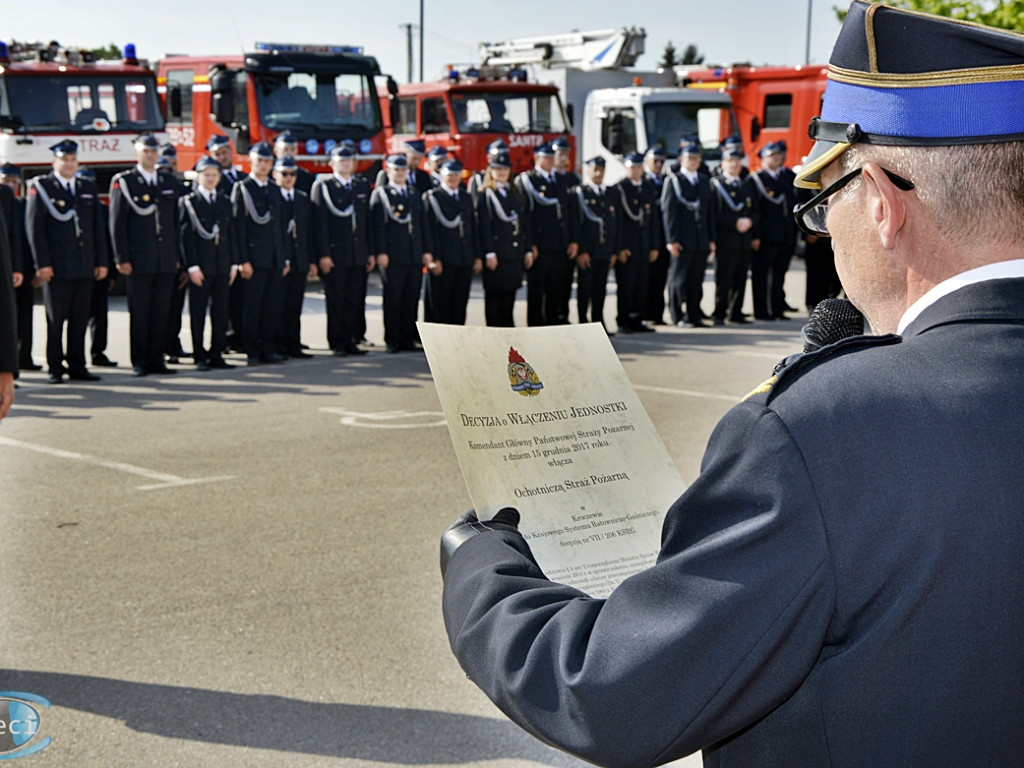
[
  {"x": 144, "y": 222},
  {"x": 396, "y": 223},
  {"x": 839, "y": 587},
  {"x": 545, "y": 208},
  {"x": 775, "y": 199},
  {"x": 593, "y": 221},
  {"x": 227, "y": 182},
  {"x": 339, "y": 232},
  {"x": 505, "y": 232},
  {"x": 258, "y": 229},
  {"x": 214, "y": 256},
  {"x": 72, "y": 250},
  {"x": 8, "y": 307},
  {"x": 13, "y": 213},
  {"x": 296, "y": 230},
  {"x": 733, "y": 200},
  {"x": 453, "y": 244},
  {"x": 657, "y": 186},
  {"x": 687, "y": 211},
  {"x": 634, "y": 204}
]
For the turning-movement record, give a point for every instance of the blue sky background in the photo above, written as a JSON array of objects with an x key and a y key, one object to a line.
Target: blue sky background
[{"x": 725, "y": 31}]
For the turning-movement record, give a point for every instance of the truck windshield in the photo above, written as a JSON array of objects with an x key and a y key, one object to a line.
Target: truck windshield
[
  {"x": 328, "y": 102},
  {"x": 667, "y": 122},
  {"x": 80, "y": 103},
  {"x": 508, "y": 113}
]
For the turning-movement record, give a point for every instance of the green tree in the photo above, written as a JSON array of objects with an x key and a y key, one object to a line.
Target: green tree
[
  {"x": 110, "y": 52},
  {"x": 1004, "y": 14},
  {"x": 669, "y": 58},
  {"x": 692, "y": 56}
]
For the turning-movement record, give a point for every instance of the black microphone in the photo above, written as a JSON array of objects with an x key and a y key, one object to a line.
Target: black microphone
[{"x": 832, "y": 320}]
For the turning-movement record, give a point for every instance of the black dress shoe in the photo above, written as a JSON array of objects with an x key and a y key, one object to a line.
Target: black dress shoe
[
  {"x": 764, "y": 317},
  {"x": 138, "y": 370},
  {"x": 739, "y": 321},
  {"x": 203, "y": 365},
  {"x": 354, "y": 350},
  {"x": 30, "y": 366},
  {"x": 173, "y": 359},
  {"x": 339, "y": 352},
  {"x": 83, "y": 376},
  {"x": 718, "y": 321},
  {"x": 304, "y": 346},
  {"x": 791, "y": 309},
  {"x": 393, "y": 348},
  {"x": 298, "y": 354},
  {"x": 162, "y": 370},
  {"x": 56, "y": 378},
  {"x": 273, "y": 358},
  {"x": 253, "y": 361},
  {"x": 103, "y": 361},
  {"x": 219, "y": 362}
]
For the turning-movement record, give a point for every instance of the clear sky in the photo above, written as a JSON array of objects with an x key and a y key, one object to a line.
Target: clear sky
[{"x": 725, "y": 31}]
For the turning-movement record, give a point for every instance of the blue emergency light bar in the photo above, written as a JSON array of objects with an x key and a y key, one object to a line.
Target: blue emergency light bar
[{"x": 308, "y": 48}]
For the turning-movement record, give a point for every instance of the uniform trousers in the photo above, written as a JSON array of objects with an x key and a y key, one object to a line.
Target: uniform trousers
[
  {"x": 631, "y": 289},
  {"x": 401, "y": 300},
  {"x": 731, "y": 265},
  {"x": 149, "y": 301},
  {"x": 174, "y": 313},
  {"x": 262, "y": 301},
  {"x": 545, "y": 288},
  {"x": 66, "y": 302},
  {"x": 657, "y": 277},
  {"x": 291, "y": 317},
  {"x": 499, "y": 308},
  {"x": 685, "y": 285},
  {"x": 591, "y": 289},
  {"x": 345, "y": 290},
  {"x": 212, "y": 295},
  {"x": 449, "y": 294},
  {"x": 25, "y": 299},
  {"x": 98, "y": 309}
]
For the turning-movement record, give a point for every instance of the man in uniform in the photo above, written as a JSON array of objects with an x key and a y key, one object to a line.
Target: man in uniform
[
  {"x": 168, "y": 164},
  {"x": 8, "y": 324},
  {"x": 450, "y": 236},
  {"x": 24, "y": 273},
  {"x": 99, "y": 302},
  {"x": 775, "y": 200},
  {"x": 144, "y": 234},
  {"x": 657, "y": 276},
  {"x": 65, "y": 232},
  {"x": 567, "y": 177},
  {"x": 219, "y": 148},
  {"x": 840, "y": 586},
  {"x": 593, "y": 226},
  {"x": 256, "y": 205},
  {"x": 341, "y": 212},
  {"x": 635, "y": 206},
  {"x": 296, "y": 231},
  {"x": 545, "y": 199},
  {"x": 688, "y": 215},
  {"x": 493, "y": 149},
  {"x": 208, "y": 252},
  {"x": 286, "y": 145},
  {"x": 734, "y": 231},
  {"x": 436, "y": 157},
  {"x": 396, "y": 225}
]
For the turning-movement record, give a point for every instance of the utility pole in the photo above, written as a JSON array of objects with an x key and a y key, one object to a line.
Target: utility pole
[
  {"x": 421, "y": 41},
  {"x": 807, "y": 49},
  {"x": 408, "y": 50}
]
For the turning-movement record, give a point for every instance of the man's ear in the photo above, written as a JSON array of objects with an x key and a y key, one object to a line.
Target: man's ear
[{"x": 886, "y": 204}]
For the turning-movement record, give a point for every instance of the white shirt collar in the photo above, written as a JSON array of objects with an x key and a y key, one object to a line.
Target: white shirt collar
[
  {"x": 998, "y": 271},
  {"x": 691, "y": 176},
  {"x": 402, "y": 189},
  {"x": 345, "y": 180},
  {"x": 596, "y": 187},
  {"x": 149, "y": 176}
]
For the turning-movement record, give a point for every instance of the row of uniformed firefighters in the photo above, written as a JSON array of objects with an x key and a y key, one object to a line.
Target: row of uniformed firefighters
[{"x": 279, "y": 225}]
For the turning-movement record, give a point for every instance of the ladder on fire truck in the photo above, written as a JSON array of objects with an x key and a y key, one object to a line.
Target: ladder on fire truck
[{"x": 601, "y": 49}]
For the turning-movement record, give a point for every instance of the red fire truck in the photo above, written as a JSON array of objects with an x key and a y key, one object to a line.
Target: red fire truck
[
  {"x": 321, "y": 93},
  {"x": 48, "y": 94},
  {"x": 472, "y": 107},
  {"x": 771, "y": 103}
]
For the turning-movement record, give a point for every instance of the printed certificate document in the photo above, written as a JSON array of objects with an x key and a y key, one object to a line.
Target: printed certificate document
[{"x": 546, "y": 421}]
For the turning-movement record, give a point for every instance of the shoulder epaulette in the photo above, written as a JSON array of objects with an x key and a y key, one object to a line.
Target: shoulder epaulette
[{"x": 800, "y": 363}]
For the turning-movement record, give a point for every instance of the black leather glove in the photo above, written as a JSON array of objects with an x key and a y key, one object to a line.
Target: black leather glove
[{"x": 466, "y": 526}]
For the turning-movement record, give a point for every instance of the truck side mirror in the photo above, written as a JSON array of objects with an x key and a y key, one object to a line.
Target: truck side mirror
[
  {"x": 173, "y": 100},
  {"x": 222, "y": 96},
  {"x": 570, "y": 114},
  {"x": 755, "y": 129},
  {"x": 392, "y": 86}
]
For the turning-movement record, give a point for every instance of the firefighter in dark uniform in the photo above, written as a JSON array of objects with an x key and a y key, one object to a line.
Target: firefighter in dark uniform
[
  {"x": 168, "y": 164},
  {"x": 593, "y": 226},
  {"x": 297, "y": 233},
  {"x": 24, "y": 273},
  {"x": 414, "y": 150},
  {"x": 69, "y": 250},
  {"x": 341, "y": 212},
  {"x": 286, "y": 145},
  {"x": 545, "y": 199},
  {"x": 657, "y": 276},
  {"x": 396, "y": 223},
  {"x": 505, "y": 240},
  {"x": 450, "y": 236},
  {"x": 207, "y": 239},
  {"x": 635, "y": 203},
  {"x": 735, "y": 220},
  {"x": 256, "y": 205},
  {"x": 219, "y": 148},
  {"x": 568, "y": 179},
  {"x": 775, "y": 201},
  {"x": 144, "y": 233},
  {"x": 688, "y": 215},
  {"x": 436, "y": 157},
  {"x": 496, "y": 146},
  {"x": 99, "y": 301}
]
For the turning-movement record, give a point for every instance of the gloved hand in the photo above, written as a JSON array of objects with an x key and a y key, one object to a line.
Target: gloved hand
[{"x": 466, "y": 526}]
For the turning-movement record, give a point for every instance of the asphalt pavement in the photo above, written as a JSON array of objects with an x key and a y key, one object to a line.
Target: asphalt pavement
[{"x": 239, "y": 568}]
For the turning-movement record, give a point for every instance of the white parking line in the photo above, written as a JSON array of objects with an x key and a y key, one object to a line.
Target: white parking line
[{"x": 164, "y": 480}]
